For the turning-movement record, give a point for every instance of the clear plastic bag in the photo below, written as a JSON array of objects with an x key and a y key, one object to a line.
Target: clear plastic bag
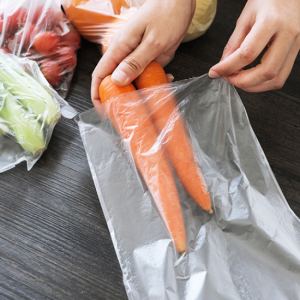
[
  {"x": 29, "y": 110},
  {"x": 251, "y": 242},
  {"x": 38, "y": 29},
  {"x": 97, "y": 21}
]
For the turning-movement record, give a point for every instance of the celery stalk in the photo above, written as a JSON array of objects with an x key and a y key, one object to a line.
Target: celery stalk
[
  {"x": 24, "y": 127},
  {"x": 28, "y": 91}
]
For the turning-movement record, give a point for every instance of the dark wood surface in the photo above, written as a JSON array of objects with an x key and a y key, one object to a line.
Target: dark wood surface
[{"x": 54, "y": 241}]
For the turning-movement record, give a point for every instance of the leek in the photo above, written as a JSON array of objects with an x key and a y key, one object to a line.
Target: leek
[{"x": 28, "y": 91}]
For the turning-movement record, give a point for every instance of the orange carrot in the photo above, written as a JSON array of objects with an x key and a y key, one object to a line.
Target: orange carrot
[
  {"x": 130, "y": 117},
  {"x": 165, "y": 114}
]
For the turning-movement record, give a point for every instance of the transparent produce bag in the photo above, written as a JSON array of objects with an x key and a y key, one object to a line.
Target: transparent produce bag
[
  {"x": 98, "y": 20},
  {"x": 246, "y": 247},
  {"x": 29, "y": 110},
  {"x": 38, "y": 29}
]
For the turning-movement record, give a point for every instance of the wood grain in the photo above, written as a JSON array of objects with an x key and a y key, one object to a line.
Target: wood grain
[{"x": 54, "y": 241}]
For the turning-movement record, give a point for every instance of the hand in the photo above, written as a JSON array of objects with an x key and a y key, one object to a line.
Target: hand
[
  {"x": 154, "y": 32},
  {"x": 272, "y": 23}
]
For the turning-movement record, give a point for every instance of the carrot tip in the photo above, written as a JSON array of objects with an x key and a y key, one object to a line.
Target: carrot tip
[{"x": 210, "y": 211}]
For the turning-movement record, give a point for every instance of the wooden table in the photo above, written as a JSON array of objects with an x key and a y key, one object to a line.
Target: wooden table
[{"x": 54, "y": 241}]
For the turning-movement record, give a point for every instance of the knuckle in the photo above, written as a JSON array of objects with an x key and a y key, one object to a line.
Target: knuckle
[
  {"x": 270, "y": 73},
  {"x": 295, "y": 30},
  {"x": 225, "y": 70},
  {"x": 274, "y": 19},
  {"x": 227, "y": 47},
  {"x": 247, "y": 54},
  {"x": 154, "y": 44},
  {"x": 278, "y": 84},
  {"x": 242, "y": 85},
  {"x": 238, "y": 21},
  {"x": 132, "y": 63}
]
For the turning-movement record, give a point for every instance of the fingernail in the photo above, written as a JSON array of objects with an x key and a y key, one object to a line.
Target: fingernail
[
  {"x": 170, "y": 78},
  {"x": 119, "y": 76},
  {"x": 213, "y": 74}
]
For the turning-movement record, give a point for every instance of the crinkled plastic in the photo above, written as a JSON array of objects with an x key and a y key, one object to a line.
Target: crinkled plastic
[
  {"x": 249, "y": 248},
  {"x": 29, "y": 110},
  {"x": 98, "y": 20},
  {"x": 38, "y": 29}
]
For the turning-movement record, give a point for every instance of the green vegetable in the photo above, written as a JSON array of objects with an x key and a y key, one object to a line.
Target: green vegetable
[
  {"x": 28, "y": 91},
  {"x": 24, "y": 127},
  {"x": 4, "y": 129}
]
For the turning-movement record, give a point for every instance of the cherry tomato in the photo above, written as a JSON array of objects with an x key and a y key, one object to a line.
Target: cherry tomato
[
  {"x": 46, "y": 43},
  {"x": 52, "y": 71},
  {"x": 17, "y": 19},
  {"x": 71, "y": 39},
  {"x": 29, "y": 31},
  {"x": 66, "y": 58},
  {"x": 5, "y": 50}
]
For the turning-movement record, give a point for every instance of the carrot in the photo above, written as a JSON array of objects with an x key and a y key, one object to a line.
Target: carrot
[
  {"x": 130, "y": 117},
  {"x": 163, "y": 108}
]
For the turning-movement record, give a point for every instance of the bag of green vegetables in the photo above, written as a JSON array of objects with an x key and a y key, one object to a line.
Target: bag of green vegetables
[{"x": 29, "y": 110}]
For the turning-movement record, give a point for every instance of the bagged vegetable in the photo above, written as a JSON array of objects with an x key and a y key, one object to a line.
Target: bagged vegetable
[
  {"x": 97, "y": 21},
  {"x": 29, "y": 110},
  {"x": 246, "y": 247},
  {"x": 38, "y": 29}
]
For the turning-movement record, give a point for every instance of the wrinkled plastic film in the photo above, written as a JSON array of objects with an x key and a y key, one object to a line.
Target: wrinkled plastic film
[
  {"x": 98, "y": 21},
  {"x": 248, "y": 246},
  {"x": 39, "y": 30},
  {"x": 29, "y": 110}
]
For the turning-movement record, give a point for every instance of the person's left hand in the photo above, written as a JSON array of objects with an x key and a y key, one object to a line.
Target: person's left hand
[{"x": 272, "y": 23}]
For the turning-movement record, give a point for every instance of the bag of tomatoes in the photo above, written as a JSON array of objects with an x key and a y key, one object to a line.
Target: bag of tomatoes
[{"x": 38, "y": 29}]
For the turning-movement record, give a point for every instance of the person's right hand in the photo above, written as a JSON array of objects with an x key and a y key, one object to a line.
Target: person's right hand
[{"x": 154, "y": 32}]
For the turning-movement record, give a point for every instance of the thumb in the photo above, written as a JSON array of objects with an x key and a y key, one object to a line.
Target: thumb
[
  {"x": 135, "y": 63},
  {"x": 127, "y": 71}
]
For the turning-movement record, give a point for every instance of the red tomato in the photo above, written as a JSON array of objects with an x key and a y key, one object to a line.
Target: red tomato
[
  {"x": 38, "y": 14},
  {"x": 1, "y": 25},
  {"x": 5, "y": 50},
  {"x": 52, "y": 72},
  {"x": 71, "y": 39},
  {"x": 29, "y": 31},
  {"x": 46, "y": 18},
  {"x": 46, "y": 43},
  {"x": 66, "y": 58},
  {"x": 17, "y": 19}
]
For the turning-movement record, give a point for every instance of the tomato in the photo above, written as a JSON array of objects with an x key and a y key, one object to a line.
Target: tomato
[
  {"x": 17, "y": 19},
  {"x": 66, "y": 58},
  {"x": 1, "y": 25},
  {"x": 5, "y": 50},
  {"x": 46, "y": 43},
  {"x": 46, "y": 18},
  {"x": 29, "y": 31},
  {"x": 71, "y": 39},
  {"x": 52, "y": 71}
]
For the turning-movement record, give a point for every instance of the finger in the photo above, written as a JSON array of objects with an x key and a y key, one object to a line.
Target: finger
[
  {"x": 96, "y": 81},
  {"x": 170, "y": 77},
  {"x": 270, "y": 65},
  {"x": 238, "y": 36},
  {"x": 164, "y": 58},
  {"x": 134, "y": 64},
  {"x": 277, "y": 82},
  {"x": 121, "y": 45},
  {"x": 252, "y": 46}
]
